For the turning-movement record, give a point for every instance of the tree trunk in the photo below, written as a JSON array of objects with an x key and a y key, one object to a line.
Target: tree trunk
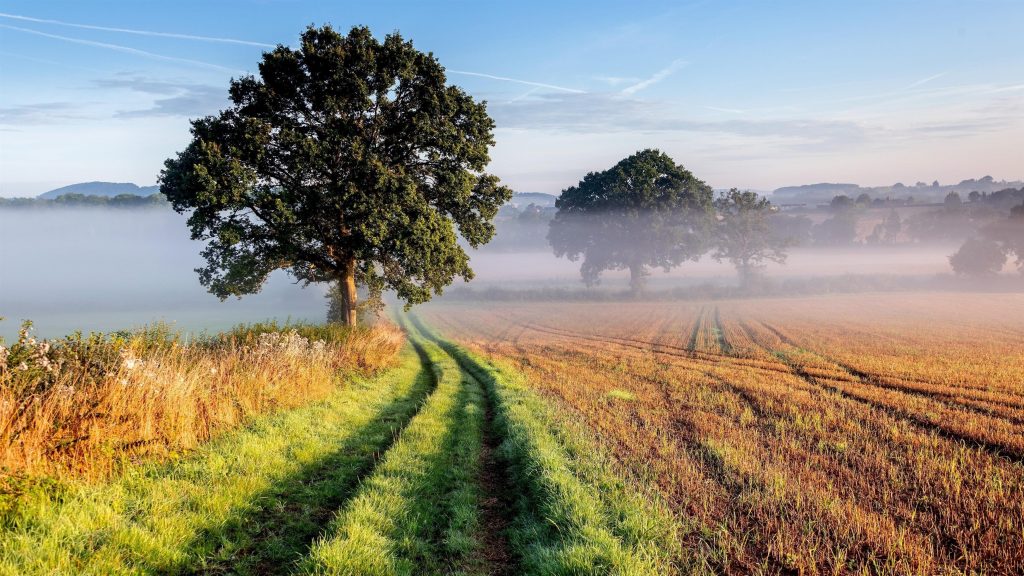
[
  {"x": 637, "y": 278},
  {"x": 348, "y": 293}
]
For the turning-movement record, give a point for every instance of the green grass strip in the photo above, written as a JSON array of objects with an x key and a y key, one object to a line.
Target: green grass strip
[
  {"x": 419, "y": 511},
  {"x": 575, "y": 514},
  {"x": 250, "y": 502}
]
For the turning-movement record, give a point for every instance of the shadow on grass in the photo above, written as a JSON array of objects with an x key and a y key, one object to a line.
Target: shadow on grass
[
  {"x": 427, "y": 532},
  {"x": 280, "y": 524}
]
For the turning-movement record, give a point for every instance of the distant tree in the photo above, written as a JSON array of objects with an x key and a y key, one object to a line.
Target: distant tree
[
  {"x": 349, "y": 160},
  {"x": 952, "y": 201},
  {"x": 888, "y": 230},
  {"x": 839, "y": 230},
  {"x": 1008, "y": 233},
  {"x": 646, "y": 211},
  {"x": 532, "y": 214},
  {"x": 974, "y": 196},
  {"x": 786, "y": 228},
  {"x": 864, "y": 199},
  {"x": 978, "y": 257},
  {"x": 841, "y": 202},
  {"x": 75, "y": 200},
  {"x": 935, "y": 183},
  {"x": 743, "y": 234}
]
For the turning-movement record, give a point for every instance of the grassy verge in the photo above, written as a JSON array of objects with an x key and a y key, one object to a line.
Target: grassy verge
[
  {"x": 418, "y": 512},
  {"x": 574, "y": 513},
  {"x": 84, "y": 406},
  {"x": 250, "y": 501}
]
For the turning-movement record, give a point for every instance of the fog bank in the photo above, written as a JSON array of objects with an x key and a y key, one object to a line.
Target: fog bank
[{"x": 100, "y": 269}]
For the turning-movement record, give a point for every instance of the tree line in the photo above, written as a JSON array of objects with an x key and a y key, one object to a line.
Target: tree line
[{"x": 87, "y": 201}]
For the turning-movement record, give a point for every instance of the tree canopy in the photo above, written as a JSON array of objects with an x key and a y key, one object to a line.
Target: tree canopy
[
  {"x": 744, "y": 234},
  {"x": 347, "y": 160},
  {"x": 978, "y": 257},
  {"x": 646, "y": 211}
]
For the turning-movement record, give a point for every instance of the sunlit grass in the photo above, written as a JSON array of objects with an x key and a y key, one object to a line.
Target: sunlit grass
[
  {"x": 250, "y": 501},
  {"x": 85, "y": 405},
  {"x": 418, "y": 512}
]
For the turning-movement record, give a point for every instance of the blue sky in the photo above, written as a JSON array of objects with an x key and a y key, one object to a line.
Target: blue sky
[{"x": 748, "y": 94}]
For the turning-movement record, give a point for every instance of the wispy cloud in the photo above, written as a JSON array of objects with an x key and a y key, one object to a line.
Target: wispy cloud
[
  {"x": 602, "y": 113},
  {"x": 41, "y": 113},
  {"x": 517, "y": 81},
  {"x": 655, "y": 78},
  {"x": 180, "y": 99},
  {"x": 137, "y": 32},
  {"x": 524, "y": 94},
  {"x": 120, "y": 48},
  {"x": 617, "y": 80},
  {"x": 726, "y": 110},
  {"x": 613, "y": 113}
]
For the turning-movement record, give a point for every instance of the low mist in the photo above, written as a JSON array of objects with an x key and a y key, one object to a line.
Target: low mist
[{"x": 107, "y": 269}]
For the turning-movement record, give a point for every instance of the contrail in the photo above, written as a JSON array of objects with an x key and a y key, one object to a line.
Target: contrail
[
  {"x": 139, "y": 32},
  {"x": 119, "y": 48},
  {"x": 526, "y": 82},
  {"x": 657, "y": 77},
  {"x": 926, "y": 80}
]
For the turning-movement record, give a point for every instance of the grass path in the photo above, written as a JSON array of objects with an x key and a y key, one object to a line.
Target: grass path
[
  {"x": 448, "y": 464},
  {"x": 419, "y": 512},
  {"x": 574, "y": 513}
]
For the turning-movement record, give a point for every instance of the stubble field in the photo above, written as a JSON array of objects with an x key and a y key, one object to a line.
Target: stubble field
[{"x": 864, "y": 433}]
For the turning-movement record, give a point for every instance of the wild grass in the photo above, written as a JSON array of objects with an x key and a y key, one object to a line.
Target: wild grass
[
  {"x": 251, "y": 501},
  {"x": 86, "y": 405}
]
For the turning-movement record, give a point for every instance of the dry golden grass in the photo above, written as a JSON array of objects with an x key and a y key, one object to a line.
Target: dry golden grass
[
  {"x": 877, "y": 434},
  {"x": 125, "y": 399}
]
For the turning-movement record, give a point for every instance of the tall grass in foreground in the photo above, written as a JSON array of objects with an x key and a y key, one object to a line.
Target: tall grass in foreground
[
  {"x": 86, "y": 404},
  {"x": 249, "y": 502}
]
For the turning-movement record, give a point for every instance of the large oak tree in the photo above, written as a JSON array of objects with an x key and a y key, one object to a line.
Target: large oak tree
[
  {"x": 347, "y": 160},
  {"x": 646, "y": 211}
]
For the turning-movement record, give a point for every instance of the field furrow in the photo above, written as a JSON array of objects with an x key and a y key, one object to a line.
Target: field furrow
[{"x": 782, "y": 454}]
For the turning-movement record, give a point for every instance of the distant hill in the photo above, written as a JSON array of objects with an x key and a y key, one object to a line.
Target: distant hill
[
  {"x": 816, "y": 192},
  {"x": 522, "y": 199},
  {"x": 824, "y": 192},
  {"x": 101, "y": 189}
]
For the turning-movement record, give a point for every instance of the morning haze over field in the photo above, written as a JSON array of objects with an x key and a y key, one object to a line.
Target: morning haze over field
[{"x": 550, "y": 288}]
